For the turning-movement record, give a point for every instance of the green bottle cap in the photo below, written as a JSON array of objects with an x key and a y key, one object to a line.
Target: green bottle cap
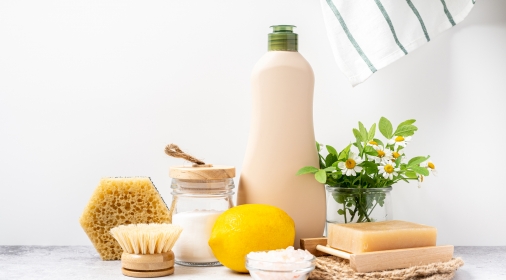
[{"x": 282, "y": 38}]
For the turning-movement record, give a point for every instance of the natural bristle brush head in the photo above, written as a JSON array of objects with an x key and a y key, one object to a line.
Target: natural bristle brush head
[{"x": 147, "y": 248}]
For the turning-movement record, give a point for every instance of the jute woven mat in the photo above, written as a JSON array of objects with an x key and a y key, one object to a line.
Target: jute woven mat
[{"x": 334, "y": 268}]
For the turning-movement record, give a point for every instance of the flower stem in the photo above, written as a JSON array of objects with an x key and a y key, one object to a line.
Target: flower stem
[
  {"x": 344, "y": 209},
  {"x": 363, "y": 211},
  {"x": 372, "y": 209}
]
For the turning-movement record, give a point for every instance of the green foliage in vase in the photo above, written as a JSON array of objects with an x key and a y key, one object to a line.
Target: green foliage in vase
[{"x": 369, "y": 162}]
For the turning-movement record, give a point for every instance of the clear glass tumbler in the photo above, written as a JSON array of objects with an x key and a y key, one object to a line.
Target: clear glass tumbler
[{"x": 353, "y": 205}]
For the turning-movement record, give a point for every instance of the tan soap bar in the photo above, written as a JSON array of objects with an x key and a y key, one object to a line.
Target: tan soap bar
[{"x": 379, "y": 236}]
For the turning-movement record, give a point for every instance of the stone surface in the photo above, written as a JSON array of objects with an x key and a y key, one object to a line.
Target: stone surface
[
  {"x": 83, "y": 262},
  {"x": 481, "y": 263}
]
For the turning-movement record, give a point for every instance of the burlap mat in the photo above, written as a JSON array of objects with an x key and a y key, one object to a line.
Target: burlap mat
[{"x": 334, "y": 268}]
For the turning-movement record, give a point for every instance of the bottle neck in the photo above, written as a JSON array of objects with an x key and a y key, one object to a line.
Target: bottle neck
[{"x": 283, "y": 39}]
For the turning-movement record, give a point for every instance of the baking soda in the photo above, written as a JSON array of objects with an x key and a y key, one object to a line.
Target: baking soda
[{"x": 192, "y": 246}]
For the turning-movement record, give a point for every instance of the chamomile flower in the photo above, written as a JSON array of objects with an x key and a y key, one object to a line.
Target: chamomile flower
[
  {"x": 397, "y": 154},
  {"x": 388, "y": 170},
  {"x": 350, "y": 166},
  {"x": 373, "y": 144},
  {"x": 399, "y": 141},
  {"x": 430, "y": 165},
  {"x": 383, "y": 155}
]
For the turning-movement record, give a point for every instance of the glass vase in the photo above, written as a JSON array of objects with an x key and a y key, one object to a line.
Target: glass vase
[{"x": 351, "y": 205}]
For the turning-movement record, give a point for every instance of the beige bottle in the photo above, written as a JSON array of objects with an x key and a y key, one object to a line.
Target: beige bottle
[{"x": 281, "y": 139}]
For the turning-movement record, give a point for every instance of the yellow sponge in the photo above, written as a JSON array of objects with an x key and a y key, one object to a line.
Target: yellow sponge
[{"x": 121, "y": 201}]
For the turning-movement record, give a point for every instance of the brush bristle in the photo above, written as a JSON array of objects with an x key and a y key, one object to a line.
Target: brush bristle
[{"x": 143, "y": 239}]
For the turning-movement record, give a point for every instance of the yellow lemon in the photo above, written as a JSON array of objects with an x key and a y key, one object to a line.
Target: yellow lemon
[{"x": 248, "y": 228}]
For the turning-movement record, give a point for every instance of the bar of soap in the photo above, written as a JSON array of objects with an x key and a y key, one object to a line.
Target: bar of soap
[{"x": 380, "y": 236}]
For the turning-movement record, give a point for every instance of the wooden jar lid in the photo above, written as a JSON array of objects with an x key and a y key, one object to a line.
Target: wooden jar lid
[{"x": 206, "y": 172}]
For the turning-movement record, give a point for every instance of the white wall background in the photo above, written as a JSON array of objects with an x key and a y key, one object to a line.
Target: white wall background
[{"x": 98, "y": 88}]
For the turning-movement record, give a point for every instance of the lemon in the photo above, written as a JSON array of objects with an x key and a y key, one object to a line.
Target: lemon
[{"x": 248, "y": 228}]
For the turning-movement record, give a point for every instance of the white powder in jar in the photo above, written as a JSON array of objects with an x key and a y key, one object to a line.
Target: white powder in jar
[{"x": 192, "y": 246}]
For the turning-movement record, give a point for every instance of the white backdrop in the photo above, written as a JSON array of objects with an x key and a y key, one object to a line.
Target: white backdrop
[{"x": 98, "y": 88}]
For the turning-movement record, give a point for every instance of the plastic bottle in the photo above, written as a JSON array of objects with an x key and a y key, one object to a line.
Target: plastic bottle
[{"x": 281, "y": 139}]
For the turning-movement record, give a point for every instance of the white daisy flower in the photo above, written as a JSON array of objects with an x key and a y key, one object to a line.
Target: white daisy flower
[
  {"x": 373, "y": 144},
  {"x": 430, "y": 165},
  {"x": 383, "y": 155},
  {"x": 397, "y": 154},
  {"x": 350, "y": 166},
  {"x": 388, "y": 170},
  {"x": 399, "y": 141}
]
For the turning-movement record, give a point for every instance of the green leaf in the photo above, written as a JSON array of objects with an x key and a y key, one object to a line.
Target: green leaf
[
  {"x": 404, "y": 179},
  {"x": 411, "y": 121},
  {"x": 420, "y": 170},
  {"x": 307, "y": 169},
  {"x": 317, "y": 146},
  {"x": 343, "y": 155},
  {"x": 370, "y": 151},
  {"x": 340, "y": 211},
  {"x": 358, "y": 144},
  {"x": 330, "y": 159},
  {"x": 370, "y": 167},
  {"x": 357, "y": 134},
  {"x": 363, "y": 132},
  {"x": 411, "y": 174},
  {"x": 321, "y": 176},
  {"x": 405, "y": 130},
  {"x": 416, "y": 161},
  {"x": 330, "y": 169},
  {"x": 330, "y": 181},
  {"x": 336, "y": 175},
  {"x": 339, "y": 198},
  {"x": 385, "y": 127},
  {"x": 398, "y": 161},
  {"x": 372, "y": 132},
  {"x": 331, "y": 150}
]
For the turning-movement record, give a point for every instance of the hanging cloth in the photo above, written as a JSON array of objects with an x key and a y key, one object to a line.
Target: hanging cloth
[{"x": 368, "y": 35}]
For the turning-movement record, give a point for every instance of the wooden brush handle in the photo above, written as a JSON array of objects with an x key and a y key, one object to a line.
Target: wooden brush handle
[{"x": 147, "y": 265}]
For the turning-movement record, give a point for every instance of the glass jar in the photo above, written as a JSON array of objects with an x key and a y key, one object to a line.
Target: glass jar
[
  {"x": 199, "y": 196},
  {"x": 351, "y": 205}
]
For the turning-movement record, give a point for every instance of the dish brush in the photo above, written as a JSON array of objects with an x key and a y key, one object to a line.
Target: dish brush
[{"x": 147, "y": 248}]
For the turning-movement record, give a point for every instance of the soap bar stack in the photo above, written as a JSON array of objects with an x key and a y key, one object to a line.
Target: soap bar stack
[
  {"x": 380, "y": 236},
  {"x": 379, "y": 246}
]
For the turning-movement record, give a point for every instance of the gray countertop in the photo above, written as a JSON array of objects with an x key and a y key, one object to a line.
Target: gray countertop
[{"x": 82, "y": 262}]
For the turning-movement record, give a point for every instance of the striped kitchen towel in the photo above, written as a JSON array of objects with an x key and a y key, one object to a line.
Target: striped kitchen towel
[{"x": 367, "y": 35}]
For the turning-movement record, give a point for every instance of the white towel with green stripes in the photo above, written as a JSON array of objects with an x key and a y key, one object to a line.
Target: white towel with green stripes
[{"x": 367, "y": 35}]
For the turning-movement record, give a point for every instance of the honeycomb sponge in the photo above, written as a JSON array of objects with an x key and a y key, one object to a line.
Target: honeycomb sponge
[{"x": 121, "y": 201}]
